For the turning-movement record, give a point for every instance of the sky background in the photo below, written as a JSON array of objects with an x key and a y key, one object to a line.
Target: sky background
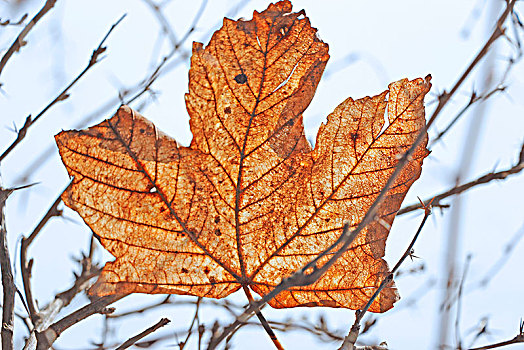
[{"x": 371, "y": 45}]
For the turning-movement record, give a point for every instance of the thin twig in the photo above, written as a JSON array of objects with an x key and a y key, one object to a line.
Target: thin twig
[
  {"x": 143, "y": 334},
  {"x": 8, "y": 22},
  {"x": 182, "y": 344},
  {"x": 509, "y": 247},
  {"x": 349, "y": 341},
  {"x": 500, "y": 175},
  {"x": 157, "y": 71},
  {"x": 519, "y": 338},
  {"x": 459, "y": 303},
  {"x": 47, "y": 315},
  {"x": 19, "y": 41},
  {"x": 29, "y": 121},
  {"x": 263, "y": 321},
  {"x": 26, "y": 266},
  {"x": 474, "y": 98},
  {"x": 497, "y": 33}
]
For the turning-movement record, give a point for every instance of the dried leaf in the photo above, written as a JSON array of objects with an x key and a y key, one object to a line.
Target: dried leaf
[{"x": 248, "y": 202}]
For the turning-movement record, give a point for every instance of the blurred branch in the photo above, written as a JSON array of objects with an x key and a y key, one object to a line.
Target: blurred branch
[
  {"x": 474, "y": 98},
  {"x": 176, "y": 46},
  {"x": 504, "y": 257},
  {"x": 143, "y": 334},
  {"x": 519, "y": 338},
  {"x": 498, "y": 32},
  {"x": 29, "y": 121},
  {"x": 480, "y": 181},
  {"x": 19, "y": 41}
]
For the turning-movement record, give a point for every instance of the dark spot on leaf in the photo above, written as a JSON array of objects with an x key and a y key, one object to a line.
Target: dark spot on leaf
[
  {"x": 217, "y": 232},
  {"x": 330, "y": 303},
  {"x": 212, "y": 280},
  {"x": 227, "y": 110},
  {"x": 206, "y": 270},
  {"x": 217, "y": 219},
  {"x": 310, "y": 304},
  {"x": 142, "y": 131},
  {"x": 241, "y": 78},
  {"x": 184, "y": 270},
  {"x": 354, "y": 136}
]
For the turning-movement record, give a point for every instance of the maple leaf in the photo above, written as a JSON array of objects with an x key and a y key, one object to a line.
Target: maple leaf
[{"x": 249, "y": 202}]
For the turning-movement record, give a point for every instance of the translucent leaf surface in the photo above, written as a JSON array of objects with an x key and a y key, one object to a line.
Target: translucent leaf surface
[{"x": 249, "y": 202}]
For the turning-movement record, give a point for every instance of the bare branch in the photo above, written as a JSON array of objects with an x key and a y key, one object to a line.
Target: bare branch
[
  {"x": 349, "y": 341},
  {"x": 459, "y": 189},
  {"x": 26, "y": 266},
  {"x": 143, "y": 334},
  {"x": 62, "y": 95},
  {"x": 8, "y": 284},
  {"x": 19, "y": 41},
  {"x": 519, "y": 338},
  {"x": 47, "y": 337}
]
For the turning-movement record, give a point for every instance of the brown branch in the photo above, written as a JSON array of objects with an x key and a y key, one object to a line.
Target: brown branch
[
  {"x": 519, "y": 338},
  {"x": 48, "y": 314},
  {"x": 351, "y": 338},
  {"x": 26, "y": 266},
  {"x": 29, "y": 121},
  {"x": 8, "y": 22},
  {"x": 176, "y": 46},
  {"x": 141, "y": 335},
  {"x": 263, "y": 321},
  {"x": 19, "y": 41},
  {"x": 190, "y": 329},
  {"x": 47, "y": 337},
  {"x": 459, "y": 189},
  {"x": 474, "y": 98},
  {"x": 498, "y": 32},
  {"x": 8, "y": 284}
]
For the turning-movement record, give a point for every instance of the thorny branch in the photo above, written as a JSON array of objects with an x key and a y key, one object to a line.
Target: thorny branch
[
  {"x": 351, "y": 338},
  {"x": 19, "y": 41},
  {"x": 29, "y": 121},
  {"x": 500, "y": 175}
]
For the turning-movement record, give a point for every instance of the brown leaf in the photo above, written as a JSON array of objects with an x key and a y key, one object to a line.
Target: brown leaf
[{"x": 249, "y": 202}]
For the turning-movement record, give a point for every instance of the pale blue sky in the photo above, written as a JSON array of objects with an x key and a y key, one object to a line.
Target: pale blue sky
[{"x": 387, "y": 41}]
